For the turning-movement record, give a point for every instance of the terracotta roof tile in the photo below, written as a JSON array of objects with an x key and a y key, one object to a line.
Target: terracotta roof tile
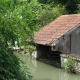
[{"x": 56, "y": 29}]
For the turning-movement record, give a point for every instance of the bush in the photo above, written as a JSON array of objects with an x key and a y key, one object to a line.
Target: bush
[
  {"x": 10, "y": 68},
  {"x": 30, "y": 48},
  {"x": 69, "y": 65}
]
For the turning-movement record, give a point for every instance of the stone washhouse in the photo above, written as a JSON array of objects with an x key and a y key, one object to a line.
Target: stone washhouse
[{"x": 59, "y": 39}]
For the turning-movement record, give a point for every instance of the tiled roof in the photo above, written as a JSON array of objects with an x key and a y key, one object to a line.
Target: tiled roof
[{"x": 56, "y": 29}]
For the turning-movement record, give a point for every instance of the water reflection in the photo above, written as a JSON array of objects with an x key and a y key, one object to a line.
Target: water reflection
[
  {"x": 69, "y": 76},
  {"x": 47, "y": 72},
  {"x": 34, "y": 62},
  {"x": 42, "y": 71}
]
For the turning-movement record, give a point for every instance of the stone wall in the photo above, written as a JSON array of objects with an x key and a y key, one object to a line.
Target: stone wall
[
  {"x": 64, "y": 58},
  {"x": 77, "y": 66}
]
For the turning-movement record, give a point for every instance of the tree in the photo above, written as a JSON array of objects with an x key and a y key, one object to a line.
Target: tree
[
  {"x": 20, "y": 17},
  {"x": 71, "y": 6},
  {"x": 19, "y": 20},
  {"x": 10, "y": 18},
  {"x": 10, "y": 68}
]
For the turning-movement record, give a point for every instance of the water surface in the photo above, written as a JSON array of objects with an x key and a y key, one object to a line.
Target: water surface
[{"x": 42, "y": 71}]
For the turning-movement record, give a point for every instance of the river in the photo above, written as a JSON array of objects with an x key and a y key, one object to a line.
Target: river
[{"x": 42, "y": 71}]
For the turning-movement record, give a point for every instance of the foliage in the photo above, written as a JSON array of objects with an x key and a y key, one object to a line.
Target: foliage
[
  {"x": 71, "y": 6},
  {"x": 43, "y": 1},
  {"x": 69, "y": 65},
  {"x": 20, "y": 17},
  {"x": 10, "y": 68},
  {"x": 78, "y": 8},
  {"x": 48, "y": 14},
  {"x": 11, "y": 28},
  {"x": 30, "y": 48},
  {"x": 19, "y": 20}
]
